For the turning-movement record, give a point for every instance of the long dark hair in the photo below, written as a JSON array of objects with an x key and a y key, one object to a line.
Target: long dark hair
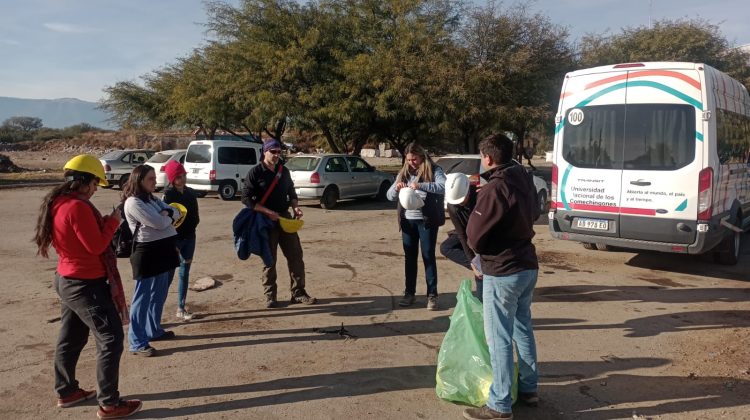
[
  {"x": 74, "y": 184},
  {"x": 134, "y": 186}
]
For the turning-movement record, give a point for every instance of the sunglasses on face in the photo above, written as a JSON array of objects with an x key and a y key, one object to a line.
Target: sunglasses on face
[{"x": 274, "y": 152}]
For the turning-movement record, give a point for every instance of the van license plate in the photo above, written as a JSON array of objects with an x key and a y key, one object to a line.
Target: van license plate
[
  {"x": 196, "y": 170},
  {"x": 592, "y": 224}
]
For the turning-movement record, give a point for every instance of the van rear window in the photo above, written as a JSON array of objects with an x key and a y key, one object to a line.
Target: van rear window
[
  {"x": 199, "y": 153},
  {"x": 656, "y": 137}
]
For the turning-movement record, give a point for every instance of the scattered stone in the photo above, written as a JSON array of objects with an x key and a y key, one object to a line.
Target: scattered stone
[
  {"x": 692, "y": 375},
  {"x": 203, "y": 283},
  {"x": 53, "y": 320},
  {"x": 603, "y": 383},
  {"x": 730, "y": 384}
]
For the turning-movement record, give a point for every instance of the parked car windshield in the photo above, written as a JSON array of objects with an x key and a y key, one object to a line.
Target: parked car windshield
[
  {"x": 302, "y": 163},
  {"x": 160, "y": 157},
  {"x": 634, "y": 136},
  {"x": 199, "y": 153},
  {"x": 468, "y": 166},
  {"x": 111, "y": 155}
]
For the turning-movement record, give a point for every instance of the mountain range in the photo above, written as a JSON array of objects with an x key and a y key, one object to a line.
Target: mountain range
[{"x": 55, "y": 113}]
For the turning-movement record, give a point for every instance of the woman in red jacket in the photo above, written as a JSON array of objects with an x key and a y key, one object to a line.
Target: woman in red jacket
[{"x": 88, "y": 284}]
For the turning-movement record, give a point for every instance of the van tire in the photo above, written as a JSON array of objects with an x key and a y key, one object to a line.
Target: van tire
[
  {"x": 589, "y": 246},
  {"x": 227, "y": 190},
  {"x": 123, "y": 180},
  {"x": 200, "y": 194},
  {"x": 542, "y": 200},
  {"x": 729, "y": 248},
  {"x": 330, "y": 197}
]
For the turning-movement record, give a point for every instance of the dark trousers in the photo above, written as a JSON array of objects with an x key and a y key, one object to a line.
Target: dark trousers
[
  {"x": 87, "y": 306},
  {"x": 292, "y": 249},
  {"x": 414, "y": 233},
  {"x": 452, "y": 249}
]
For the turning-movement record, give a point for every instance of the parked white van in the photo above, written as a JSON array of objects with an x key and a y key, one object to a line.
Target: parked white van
[
  {"x": 220, "y": 165},
  {"x": 652, "y": 156}
]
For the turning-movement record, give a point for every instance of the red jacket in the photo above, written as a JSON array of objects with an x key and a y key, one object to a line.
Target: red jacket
[{"x": 78, "y": 240}]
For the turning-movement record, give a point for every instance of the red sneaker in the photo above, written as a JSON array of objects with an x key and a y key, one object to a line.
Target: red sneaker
[
  {"x": 77, "y": 396},
  {"x": 125, "y": 408}
]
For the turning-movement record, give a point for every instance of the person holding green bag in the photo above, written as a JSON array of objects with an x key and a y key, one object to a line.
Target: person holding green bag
[{"x": 500, "y": 230}]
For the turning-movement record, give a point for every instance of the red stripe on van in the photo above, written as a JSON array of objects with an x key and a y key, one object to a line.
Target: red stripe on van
[{"x": 695, "y": 83}]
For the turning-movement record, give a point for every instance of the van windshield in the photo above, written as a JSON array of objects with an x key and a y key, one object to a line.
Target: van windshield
[
  {"x": 656, "y": 137},
  {"x": 198, "y": 153}
]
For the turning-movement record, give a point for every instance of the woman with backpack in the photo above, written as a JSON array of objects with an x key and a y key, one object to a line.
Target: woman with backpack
[
  {"x": 420, "y": 191},
  {"x": 177, "y": 192},
  {"x": 154, "y": 257},
  {"x": 89, "y": 286}
]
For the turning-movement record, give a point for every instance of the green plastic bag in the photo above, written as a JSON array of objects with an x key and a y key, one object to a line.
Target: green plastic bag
[{"x": 464, "y": 373}]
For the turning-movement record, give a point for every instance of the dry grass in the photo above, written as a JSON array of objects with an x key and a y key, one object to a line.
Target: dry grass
[{"x": 31, "y": 177}]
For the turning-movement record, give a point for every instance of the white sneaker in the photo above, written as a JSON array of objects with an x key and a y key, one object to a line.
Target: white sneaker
[{"x": 184, "y": 315}]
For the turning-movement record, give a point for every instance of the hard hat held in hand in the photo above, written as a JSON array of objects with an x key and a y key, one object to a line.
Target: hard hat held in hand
[
  {"x": 409, "y": 199},
  {"x": 456, "y": 188},
  {"x": 290, "y": 225},
  {"x": 88, "y": 164},
  {"x": 183, "y": 213}
]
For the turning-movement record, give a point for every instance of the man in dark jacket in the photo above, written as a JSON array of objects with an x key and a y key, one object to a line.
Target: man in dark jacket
[
  {"x": 500, "y": 230},
  {"x": 258, "y": 182}
]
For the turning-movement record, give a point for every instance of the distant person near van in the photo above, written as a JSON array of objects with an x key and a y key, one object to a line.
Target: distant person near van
[
  {"x": 177, "y": 192},
  {"x": 272, "y": 181},
  {"x": 500, "y": 230},
  {"x": 460, "y": 197},
  {"x": 420, "y": 191},
  {"x": 89, "y": 286},
  {"x": 154, "y": 257}
]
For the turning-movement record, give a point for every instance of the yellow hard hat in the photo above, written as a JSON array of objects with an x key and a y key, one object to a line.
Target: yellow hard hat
[
  {"x": 183, "y": 213},
  {"x": 88, "y": 164},
  {"x": 290, "y": 225}
]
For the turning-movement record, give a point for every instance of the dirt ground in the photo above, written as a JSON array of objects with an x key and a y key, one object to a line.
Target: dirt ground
[{"x": 619, "y": 334}]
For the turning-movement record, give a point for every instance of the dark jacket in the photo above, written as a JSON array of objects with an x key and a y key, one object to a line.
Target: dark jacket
[
  {"x": 459, "y": 215},
  {"x": 501, "y": 226},
  {"x": 251, "y": 230},
  {"x": 257, "y": 182},
  {"x": 188, "y": 199}
]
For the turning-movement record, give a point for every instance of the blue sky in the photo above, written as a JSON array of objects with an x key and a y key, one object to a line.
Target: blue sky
[{"x": 74, "y": 48}]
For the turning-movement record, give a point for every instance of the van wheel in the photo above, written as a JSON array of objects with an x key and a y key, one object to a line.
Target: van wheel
[
  {"x": 227, "y": 190},
  {"x": 382, "y": 191},
  {"x": 729, "y": 253},
  {"x": 123, "y": 180},
  {"x": 200, "y": 194},
  {"x": 542, "y": 197},
  {"x": 329, "y": 198},
  {"x": 589, "y": 246}
]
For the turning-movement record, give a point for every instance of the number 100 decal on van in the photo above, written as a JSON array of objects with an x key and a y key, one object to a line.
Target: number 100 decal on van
[{"x": 652, "y": 156}]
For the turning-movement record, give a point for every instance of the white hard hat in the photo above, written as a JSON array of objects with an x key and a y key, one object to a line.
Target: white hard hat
[
  {"x": 409, "y": 199},
  {"x": 456, "y": 188}
]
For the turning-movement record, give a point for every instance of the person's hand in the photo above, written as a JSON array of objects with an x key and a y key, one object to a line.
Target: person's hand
[
  {"x": 400, "y": 185},
  {"x": 414, "y": 186},
  {"x": 477, "y": 274},
  {"x": 116, "y": 215},
  {"x": 297, "y": 212},
  {"x": 273, "y": 215}
]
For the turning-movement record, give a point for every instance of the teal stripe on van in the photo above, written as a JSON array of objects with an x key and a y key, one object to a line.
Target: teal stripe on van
[
  {"x": 562, "y": 187},
  {"x": 699, "y": 136}
]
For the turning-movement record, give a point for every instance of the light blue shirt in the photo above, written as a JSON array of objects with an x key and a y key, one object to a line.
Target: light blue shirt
[
  {"x": 435, "y": 187},
  {"x": 154, "y": 225}
]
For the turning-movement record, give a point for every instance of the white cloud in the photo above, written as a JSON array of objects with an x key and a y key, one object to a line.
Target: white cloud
[
  {"x": 12, "y": 42},
  {"x": 68, "y": 28}
]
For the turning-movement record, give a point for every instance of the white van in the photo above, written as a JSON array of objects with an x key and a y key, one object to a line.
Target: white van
[
  {"x": 652, "y": 156},
  {"x": 220, "y": 165}
]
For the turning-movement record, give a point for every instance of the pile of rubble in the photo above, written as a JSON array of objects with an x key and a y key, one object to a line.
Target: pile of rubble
[{"x": 7, "y": 166}]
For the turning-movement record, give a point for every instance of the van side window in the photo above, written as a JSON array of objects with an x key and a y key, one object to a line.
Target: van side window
[
  {"x": 732, "y": 137},
  {"x": 245, "y": 156}
]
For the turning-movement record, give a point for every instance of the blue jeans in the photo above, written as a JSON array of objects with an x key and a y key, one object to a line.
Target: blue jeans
[
  {"x": 146, "y": 310},
  {"x": 507, "y": 318},
  {"x": 413, "y": 234},
  {"x": 187, "y": 250}
]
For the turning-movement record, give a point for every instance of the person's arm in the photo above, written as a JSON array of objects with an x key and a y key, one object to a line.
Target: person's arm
[
  {"x": 86, "y": 227},
  {"x": 249, "y": 190},
  {"x": 488, "y": 212},
  {"x": 438, "y": 185},
  {"x": 146, "y": 215},
  {"x": 460, "y": 230},
  {"x": 392, "y": 194}
]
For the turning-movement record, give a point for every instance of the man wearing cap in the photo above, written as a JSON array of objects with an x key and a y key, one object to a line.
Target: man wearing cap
[
  {"x": 271, "y": 175},
  {"x": 178, "y": 192}
]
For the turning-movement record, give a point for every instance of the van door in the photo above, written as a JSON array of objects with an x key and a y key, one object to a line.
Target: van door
[
  {"x": 198, "y": 165},
  {"x": 588, "y": 154},
  {"x": 662, "y": 157},
  {"x": 247, "y": 158}
]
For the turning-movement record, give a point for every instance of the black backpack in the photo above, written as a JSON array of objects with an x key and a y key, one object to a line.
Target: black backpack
[{"x": 123, "y": 242}]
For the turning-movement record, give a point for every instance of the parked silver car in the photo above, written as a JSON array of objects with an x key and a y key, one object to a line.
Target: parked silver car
[
  {"x": 330, "y": 178},
  {"x": 160, "y": 159},
  {"x": 118, "y": 164},
  {"x": 471, "y": 165}
]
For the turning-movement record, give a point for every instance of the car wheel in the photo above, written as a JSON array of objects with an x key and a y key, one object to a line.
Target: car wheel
[
  {"x": 200, "y": 194},
  {"x": 589, "y": 246},
  {"x": 123, "y": 181},
  {"x": 330, "y": 197},
  {"x": 729, "y": 253},
  {"x": 542, "y": 197},
  {"x": 383, "y": 190},
  {"x": 227, "y": 190}
]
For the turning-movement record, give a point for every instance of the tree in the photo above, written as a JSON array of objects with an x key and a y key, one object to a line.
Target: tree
[
  {"x": 694, "y": 40},
  {"x": 25, "y": 125}
]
